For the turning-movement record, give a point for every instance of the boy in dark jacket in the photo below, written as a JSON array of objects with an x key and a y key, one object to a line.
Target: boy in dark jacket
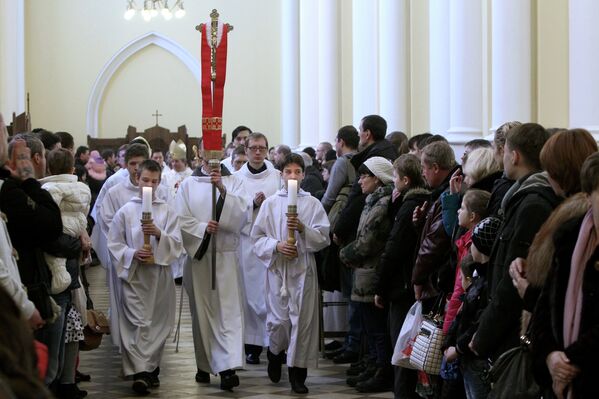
[{"x": 394, "y": 269}]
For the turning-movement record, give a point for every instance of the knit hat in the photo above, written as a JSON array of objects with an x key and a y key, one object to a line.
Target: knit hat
[
  {"x": 381, "y": 167},
  {"x": 485, "y": 233}
]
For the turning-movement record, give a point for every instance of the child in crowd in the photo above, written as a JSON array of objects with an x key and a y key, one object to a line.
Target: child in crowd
[
  {"x": 474, "y": 283},
  {"x": 147, "y": 308},
  {"x": 73, "y": 199},
  {"x": 291, "y": 283}
]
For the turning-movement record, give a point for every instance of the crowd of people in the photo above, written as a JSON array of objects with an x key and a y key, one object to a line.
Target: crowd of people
[{"x": 503, "y": 244}]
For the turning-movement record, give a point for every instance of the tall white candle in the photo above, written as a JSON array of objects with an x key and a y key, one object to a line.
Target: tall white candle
[
  {"x": 146, "y": 201},
  {"x": 292, "y": 192}
]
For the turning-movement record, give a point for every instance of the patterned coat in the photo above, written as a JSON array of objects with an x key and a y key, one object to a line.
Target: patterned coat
[{"x": 363, "y": 253}]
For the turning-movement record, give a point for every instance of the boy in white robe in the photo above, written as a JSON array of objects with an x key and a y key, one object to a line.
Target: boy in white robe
[
  {"x": 260, "y": 182},
  {"x": 291, "y": 283},
  {"x": 217, "y": 315},
  {"x": 147, "y": 308}
]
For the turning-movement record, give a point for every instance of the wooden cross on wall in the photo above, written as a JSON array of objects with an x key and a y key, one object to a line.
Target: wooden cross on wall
[{"x": 156, "y": 115}]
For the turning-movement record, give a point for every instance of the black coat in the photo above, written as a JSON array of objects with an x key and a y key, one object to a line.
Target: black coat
[
  {"x": 524, "y": 213},
  {"x": 33, "y": 221},
  {"x": 313, "y": 182},
  {"x": 394, "y": 270},
  {"x": 501, "y": 186},
  {"x": 348, "y": 220},
  {"x": 547, "y": 322}
]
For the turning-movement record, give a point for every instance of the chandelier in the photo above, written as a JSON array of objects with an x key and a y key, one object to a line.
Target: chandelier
[{"x": 152, "y": 8}]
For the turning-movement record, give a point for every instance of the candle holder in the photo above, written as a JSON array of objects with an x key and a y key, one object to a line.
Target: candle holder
[
  {"x": 146, "y": 218},
  {"x": 291, "y": 211}
]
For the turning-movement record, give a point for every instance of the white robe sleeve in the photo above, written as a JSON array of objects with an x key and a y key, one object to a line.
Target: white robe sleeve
[
  {"x": 169, "y": 247},
  {"x": 122, "y": 254},
  {"x": 192, "y": 230},
  {"x": 107, "y": 212},
  {"x": 236, "y": 213},
  {"x": 15, "y": 289},
  {"x": 264, "y": 245},
  {"x": 316, "y": 230}
]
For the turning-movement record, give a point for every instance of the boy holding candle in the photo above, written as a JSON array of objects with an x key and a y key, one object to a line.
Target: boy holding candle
[
  {"x": 289, "y": 228},
  {"x": 147, "y": 310}
]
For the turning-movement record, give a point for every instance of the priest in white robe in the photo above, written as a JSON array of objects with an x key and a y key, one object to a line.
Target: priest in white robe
[
  {"x": 260, "y": 182},
  {"x": 217, "y": 315},
  {"x": 292, "y": 282},
  {"x": 146, "y": 311}
]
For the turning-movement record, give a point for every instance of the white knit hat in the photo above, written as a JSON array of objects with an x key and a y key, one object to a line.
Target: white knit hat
[{"x": 381, "y": 167}]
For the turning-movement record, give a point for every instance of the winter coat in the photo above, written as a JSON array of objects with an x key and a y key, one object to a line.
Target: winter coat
[
  {"x": 73, "y": 199},
  {"x": 312, "y": 182},
  {"x": 363, "y": 253},
  {"x": 432, "y": 261},
  {"x": 453, "y": 305},
  {"x": 347, "y": 224},
  {"x": 547, "y": 323},
  {"x": 33, "y": 221},
  {"x": 540, "y": 255},
  {"x": 500, "y": 187},
  {"x": 526, "y": 207},
  {"x": 394, "y": 269}
]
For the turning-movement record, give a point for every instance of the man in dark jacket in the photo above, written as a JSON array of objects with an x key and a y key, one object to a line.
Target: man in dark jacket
[
  {"x": 438, "y": 164},
  {"x": 525, "y": 207},
  {"x": 372, "y": 131}
]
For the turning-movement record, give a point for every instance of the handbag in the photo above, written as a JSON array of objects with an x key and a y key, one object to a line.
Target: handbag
[
  {"x": 97, "y": 326},
  {"x": 407, "y": 336},
  {"x": 511, "y": 375},
  {"x": 427, "y": 354}
]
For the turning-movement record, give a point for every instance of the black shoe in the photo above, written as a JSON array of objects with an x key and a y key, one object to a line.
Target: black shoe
[
  {"x": 297, "y": 378},
  {"x": 346, "y": 357},
  {"x": 80, "y": 377},
  {"x": 69, "y": 391},
  {"x": 252, "y": 358},
  {"x": 154, "y": 381},
  {"x": 179, "y": 281},
  {"x": 333, "y": 345},
  {"x": 228, "y": 380},
  {"x": 274, "y": 365},
  {"x": 356, "y": 368},
  {"x": 363, "y": 376},
  {"x": 202, "y": 377},
  {"x": 381, "y": 381},
  {"x": 333, "y": 353},
  {"x": 141, "y": 383}
]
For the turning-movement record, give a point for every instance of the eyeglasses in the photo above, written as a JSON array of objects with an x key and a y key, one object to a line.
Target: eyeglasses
[{"x": 255, "y": 148}]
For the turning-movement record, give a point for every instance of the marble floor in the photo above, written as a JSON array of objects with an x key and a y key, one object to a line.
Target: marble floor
[{"x": 178, "y": 368}]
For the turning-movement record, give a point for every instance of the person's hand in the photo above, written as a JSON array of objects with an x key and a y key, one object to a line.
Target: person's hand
[
  {"x": 418, "y": 289},
  {"x": 216, "y": 179},
  {"x": 142, "y": 255},
  {"x": 455, "y": 183},
  {"x": 560, "y": 368},
  {"x": 86, "y": 242},
  {"x": 336, "y": 239},
  {"x": 418, "y": 212},
  {"x": 151, "y": 229},
  {"x": 379, "y": 302},
  {"x": 395, "y": 195},
  {"x": 288, "y": 250},
  {"x": 558, "y": 388},
  {"x": 20, "y": 165},
  {"x": 518, "y": 275},
  {"x": 294, "y": 223},
  {"x": 259, "y": 199},
  {"x": 212, "y": 227},
  {"x": 451, "y": 354},
  {"x": 35, "y": 321},
  {"x": 471, "y": 346}
]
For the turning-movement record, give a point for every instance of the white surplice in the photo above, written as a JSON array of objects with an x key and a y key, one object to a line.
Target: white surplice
[
  {"x": 292, "y": 320},
  {"x": 217, "y": 315},
  {"x": 172, "y": 180},
  {"x": 115, "y": 199},
  {"x": 146, "y": 311},
  {"x": 253, "y": 272}
]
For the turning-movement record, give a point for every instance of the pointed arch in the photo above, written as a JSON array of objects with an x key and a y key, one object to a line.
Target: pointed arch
[{"x": 127, "y": 51}]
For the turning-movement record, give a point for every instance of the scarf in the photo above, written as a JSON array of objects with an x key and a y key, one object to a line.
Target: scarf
[{"x": 585, "y": 247}]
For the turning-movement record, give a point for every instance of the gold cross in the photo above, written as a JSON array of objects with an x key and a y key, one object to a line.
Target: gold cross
[{"x": 156, "y": 115}]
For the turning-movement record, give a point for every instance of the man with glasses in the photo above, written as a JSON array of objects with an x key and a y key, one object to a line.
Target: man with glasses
[{"x": 261, "y": 180}]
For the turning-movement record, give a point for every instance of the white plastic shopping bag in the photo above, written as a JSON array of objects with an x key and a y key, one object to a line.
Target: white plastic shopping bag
[{"x": 407, "y": 337}]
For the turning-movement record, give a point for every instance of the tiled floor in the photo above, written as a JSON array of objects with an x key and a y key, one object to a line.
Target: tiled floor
[{"x": 178, "y": 368}]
